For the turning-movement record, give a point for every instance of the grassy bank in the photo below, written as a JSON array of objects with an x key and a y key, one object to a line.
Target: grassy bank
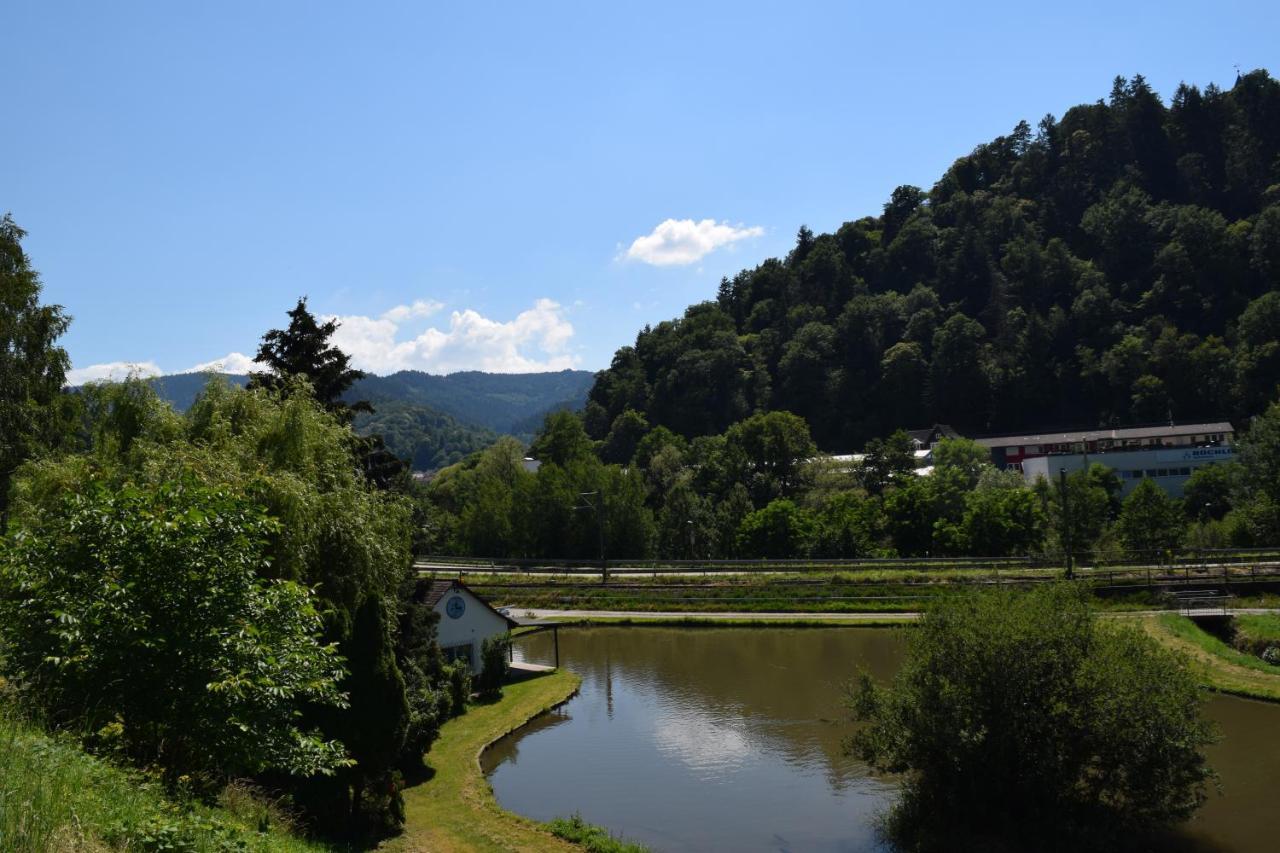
[
  {"x": 455, "y": 809},
  {"x": 56, "y": 797},
  {"x": 1218, "y": 665}
]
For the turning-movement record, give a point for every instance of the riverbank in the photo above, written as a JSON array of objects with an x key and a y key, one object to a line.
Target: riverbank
[
  {"x": 1218, "y": 666},
  {"x": 455, "y": 809}
]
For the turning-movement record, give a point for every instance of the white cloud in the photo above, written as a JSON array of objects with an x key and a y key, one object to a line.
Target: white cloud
[
  {"x": 232, "y": 362},
  {"x": 677, "y": 242},
  {"x": 420, "y": 308},
  {"x": 535, "y": 340},
  {"x": 113, "y": 371}
]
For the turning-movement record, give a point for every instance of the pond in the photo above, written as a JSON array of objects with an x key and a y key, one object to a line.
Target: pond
[{"x": 730, "y": 739}]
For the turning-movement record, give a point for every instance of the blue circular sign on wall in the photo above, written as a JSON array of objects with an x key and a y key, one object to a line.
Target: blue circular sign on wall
[{"x": 456, "y": 607}]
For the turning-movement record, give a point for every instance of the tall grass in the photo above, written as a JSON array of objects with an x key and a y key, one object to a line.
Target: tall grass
[
  {"x": 54, "y": 797},
  {"x": 595, "y": 839}
]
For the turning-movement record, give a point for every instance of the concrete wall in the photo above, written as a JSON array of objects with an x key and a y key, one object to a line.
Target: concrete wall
[
  {"x": 474, "y": 623},
  {"x": 1168, "y": 468}
]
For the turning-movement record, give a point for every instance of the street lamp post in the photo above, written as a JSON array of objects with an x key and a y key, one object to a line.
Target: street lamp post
[{"x": 598, "y": 506}]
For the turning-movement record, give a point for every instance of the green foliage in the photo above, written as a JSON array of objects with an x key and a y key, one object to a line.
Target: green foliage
[
  {"x": 1020, "y": 719},
  {"x": 1092, "y": 499},
  {"x": 331, "y": 531},
  {"x": 1150, "y": 522},
  {"x": 562, "y": 440},
  {"x": 1209, "y": 490},
  {"x": 887, "y": 461},
  {"x": 1002, "y": 523},
  {"x": 422, "y": 667},
  {"x": 57, "y": 797},
  {"x": 458, "y": 676},
  {"x": 781, "y": 530},
  {"x": 493, "y": 666},
  {"x": 515, "y": 404},
  {"x": 424, "y": 437},
  {"x": 772, "y": 452},
  {"x": 33, "y": 409},
  {"x": 303, "y": 349},
  {"x": 158, "y": 623},
  {"x": 849, "y": 525},
  {"x": 1116, "y": 265},
  {"x": 595, "y": 839}
]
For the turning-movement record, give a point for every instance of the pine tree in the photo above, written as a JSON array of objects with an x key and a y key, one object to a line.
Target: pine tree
[{"x": 304, "y": 349}]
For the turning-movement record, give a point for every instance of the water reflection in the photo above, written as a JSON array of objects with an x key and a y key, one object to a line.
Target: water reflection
[
  {"x": 704, "y": 739},
  {"x": 730, "y": 739}
]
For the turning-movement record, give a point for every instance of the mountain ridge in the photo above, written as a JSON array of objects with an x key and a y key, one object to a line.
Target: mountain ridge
[{"x": 432, "y": 420}]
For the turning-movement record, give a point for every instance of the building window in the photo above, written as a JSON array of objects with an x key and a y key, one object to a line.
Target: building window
[{"x": 462, "y": 652}]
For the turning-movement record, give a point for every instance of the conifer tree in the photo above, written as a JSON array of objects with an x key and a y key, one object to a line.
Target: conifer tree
[{"x": 304, "y": 349}]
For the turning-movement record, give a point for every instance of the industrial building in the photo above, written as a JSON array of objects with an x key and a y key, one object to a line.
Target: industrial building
[{"x": 1166, "y": 453}]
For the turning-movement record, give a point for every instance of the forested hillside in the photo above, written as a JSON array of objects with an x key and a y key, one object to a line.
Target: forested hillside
[
  {"x": 1119, "y": 264},
  {"x": 425, "y": 438},
  {"x": 497, "y": 401},
  {"x": 432, "y": 421}
]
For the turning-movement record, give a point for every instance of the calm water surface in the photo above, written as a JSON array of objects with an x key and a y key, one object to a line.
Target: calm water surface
[{"x": 730, "y": 739}]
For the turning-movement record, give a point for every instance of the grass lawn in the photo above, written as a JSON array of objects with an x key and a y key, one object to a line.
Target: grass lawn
[
  {"x": 1218, "y": 665},
  {"x": 1258, "y": 630},
  {"x": 455, "y": 809}
]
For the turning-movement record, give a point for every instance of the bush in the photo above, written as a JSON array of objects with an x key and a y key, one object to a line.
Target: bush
[
  {"x": 459, "y": 680},
  {"x": 493, "y": 659},
  {"x": 1019, "y": 716},
  {"x": 157, "y": 632}
]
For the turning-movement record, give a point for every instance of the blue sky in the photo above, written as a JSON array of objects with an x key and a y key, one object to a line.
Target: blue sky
[{"x": 465, "y": 184}]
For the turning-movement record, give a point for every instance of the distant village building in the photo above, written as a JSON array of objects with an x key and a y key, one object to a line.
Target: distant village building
[
  {"x": 925, "y": 439},
  {"x": 466, "y": 621}
]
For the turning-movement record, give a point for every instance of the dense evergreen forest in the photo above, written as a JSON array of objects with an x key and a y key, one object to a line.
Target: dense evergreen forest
[{"x": 1117, "y": 265}]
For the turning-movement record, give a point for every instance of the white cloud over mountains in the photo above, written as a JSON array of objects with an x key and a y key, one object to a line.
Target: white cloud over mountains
[
  {"x": 112, "y": 371},
  {"x": 679, "y": 242},
  {"x": 232, "y": 362},
  {"x": 535, "y": 340}
]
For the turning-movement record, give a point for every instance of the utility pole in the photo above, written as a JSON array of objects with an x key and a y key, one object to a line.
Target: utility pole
[
  {"x": 598, "y": 506},
  {"x": 1066, "y": 520}
]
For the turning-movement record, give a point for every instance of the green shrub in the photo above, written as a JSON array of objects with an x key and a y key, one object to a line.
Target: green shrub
[
  {"x": 493, "y": 659},
  {"x": 157, "y": 632},
  {"x": 459, "y": 680},
  {"x": 1020, "y": 716},
  {"x": 595, "y": 839}
]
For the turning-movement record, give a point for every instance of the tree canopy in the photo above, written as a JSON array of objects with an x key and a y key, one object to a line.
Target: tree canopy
[
  {"x": 33, "y": 411},
  {"x": 303, "y": 349},
  {"x": 1116, "y": 265},
  {"x": 1019, "y": 720}
]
